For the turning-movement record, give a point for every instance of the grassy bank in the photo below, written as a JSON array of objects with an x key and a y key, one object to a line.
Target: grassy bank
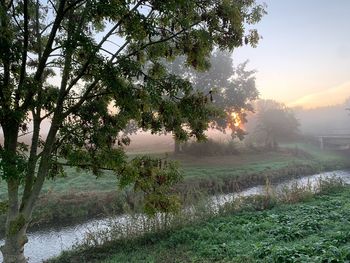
[
  {"x": 244, "y": 162},
  {"x": 316, "y": 230},
  {"x": 81, "y": 196}
]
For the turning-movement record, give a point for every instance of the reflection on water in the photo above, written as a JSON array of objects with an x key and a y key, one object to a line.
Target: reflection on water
[
  {"x": 311, "y": 181},
  {"x": 49, "y": 243}
]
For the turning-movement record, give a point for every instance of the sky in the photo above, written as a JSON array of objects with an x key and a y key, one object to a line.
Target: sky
[{"x": 304, "y": 56}]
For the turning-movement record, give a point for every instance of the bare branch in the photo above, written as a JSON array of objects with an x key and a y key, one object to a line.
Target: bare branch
[
  {"x": 45, "y": 28},
  {"x": 56, "y": 48},
  {"x": 6, "y": 67},
  {"x": 24, "y": 134},
  {"x": 105, "y": 50},
  {"x": 83, "y": 98},
  {"x": 47, "y": 115},
  {"x": 112, "y": 43},
  {"x": 53, "y": 6},
  {"x": 119, "y": 51},
  {"x": 55, "y": 55}
]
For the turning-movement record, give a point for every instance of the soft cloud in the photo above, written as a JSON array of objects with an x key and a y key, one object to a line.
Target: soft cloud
[{"x": 332, "y": 96}]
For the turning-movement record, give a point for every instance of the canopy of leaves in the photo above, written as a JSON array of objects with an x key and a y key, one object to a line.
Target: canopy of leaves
[
  {"x": 232, "y": 89},
  {"x": 91, "y": 67}
]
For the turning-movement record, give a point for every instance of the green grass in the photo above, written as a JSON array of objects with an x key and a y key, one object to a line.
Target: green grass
[
  {"x": 314, "y": 231},
  {"x": 209, "y": 167},
  {"x": 246, "y": 162},
  {"x": 80, "y": 195},
  {"x": 75, "y": 181},
  {"x": 317, "y": 153}
]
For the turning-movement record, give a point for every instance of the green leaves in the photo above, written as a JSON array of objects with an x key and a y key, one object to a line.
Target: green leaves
[
  {"x": 49, "y": 98},
  {"x": 3, "y": 207},
  {"x": 107, "y": 60},
  {"x": 94, "y": 159},
  {"x": 12, "y": 165},
  {"x": 154, "y": 178}
]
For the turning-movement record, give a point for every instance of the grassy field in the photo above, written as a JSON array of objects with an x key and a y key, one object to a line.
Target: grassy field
[
  {"x": 81, "y": 196},
  {"x": 216, "y": 167},
  {"x": 317, "y": 230}
]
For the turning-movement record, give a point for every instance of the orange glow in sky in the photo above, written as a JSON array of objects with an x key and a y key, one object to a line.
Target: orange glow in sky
[{"x": 302, "y": 59}]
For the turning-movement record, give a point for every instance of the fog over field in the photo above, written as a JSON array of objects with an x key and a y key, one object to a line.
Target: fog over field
[
  {"x": 325, "y": 120},
  {"x": 174, "y": 131}
]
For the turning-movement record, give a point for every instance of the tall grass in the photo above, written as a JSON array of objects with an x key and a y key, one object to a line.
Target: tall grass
[{"x": 134, "y": 226}]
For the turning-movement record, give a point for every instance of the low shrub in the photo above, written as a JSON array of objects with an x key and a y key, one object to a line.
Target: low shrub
[
  {"x": 295, "y": 193},
  {"x": 210, "y": 148},
  {"x": 330, "y": 185}
]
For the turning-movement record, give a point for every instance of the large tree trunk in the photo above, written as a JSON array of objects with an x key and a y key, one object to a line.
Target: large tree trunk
[
  {"x": 18, "y": 219},
  {"x": 16, "y": 223},
  {"x": 13, "y": 249}
]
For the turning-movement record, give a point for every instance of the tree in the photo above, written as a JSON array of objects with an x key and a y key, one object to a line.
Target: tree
[
  {"x": 98, "y": 50},
  {"x": 275, "y": 122},
  {"x": 231, "y": 88}
]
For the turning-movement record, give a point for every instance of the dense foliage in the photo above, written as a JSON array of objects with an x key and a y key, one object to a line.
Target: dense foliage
[{"x": 79, "y": 67}]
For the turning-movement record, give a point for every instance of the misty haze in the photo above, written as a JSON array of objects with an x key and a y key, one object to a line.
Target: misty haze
[{"x": 174, "y": 131}]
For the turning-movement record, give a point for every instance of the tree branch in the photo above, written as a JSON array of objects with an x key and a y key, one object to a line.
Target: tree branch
[
  {"x": 105, "y": 50},
  {"x": 5, "y": 101},
  {"x": 45, "y": 28},
  {"x": 14, "y": 17},
  {"x": 53, "y": 6},
  {"x": 37, "y": 28},
  {"x": 24, "y": 53},
  {"x": 104, "y": 39},
  {"x": 74, "y": 5},
  {"x": 162, "y": 40},
  {"x": 44, "y": 166},
  {"x": 92, "y": 85},
  {"x": 46, "y": 53},
  {"x": 84, "y": 166},
  {"x": 32, "y": 161}
]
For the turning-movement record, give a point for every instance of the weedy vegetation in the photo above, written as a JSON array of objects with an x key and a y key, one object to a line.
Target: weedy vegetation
[{"x": 265, "y": 228}]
